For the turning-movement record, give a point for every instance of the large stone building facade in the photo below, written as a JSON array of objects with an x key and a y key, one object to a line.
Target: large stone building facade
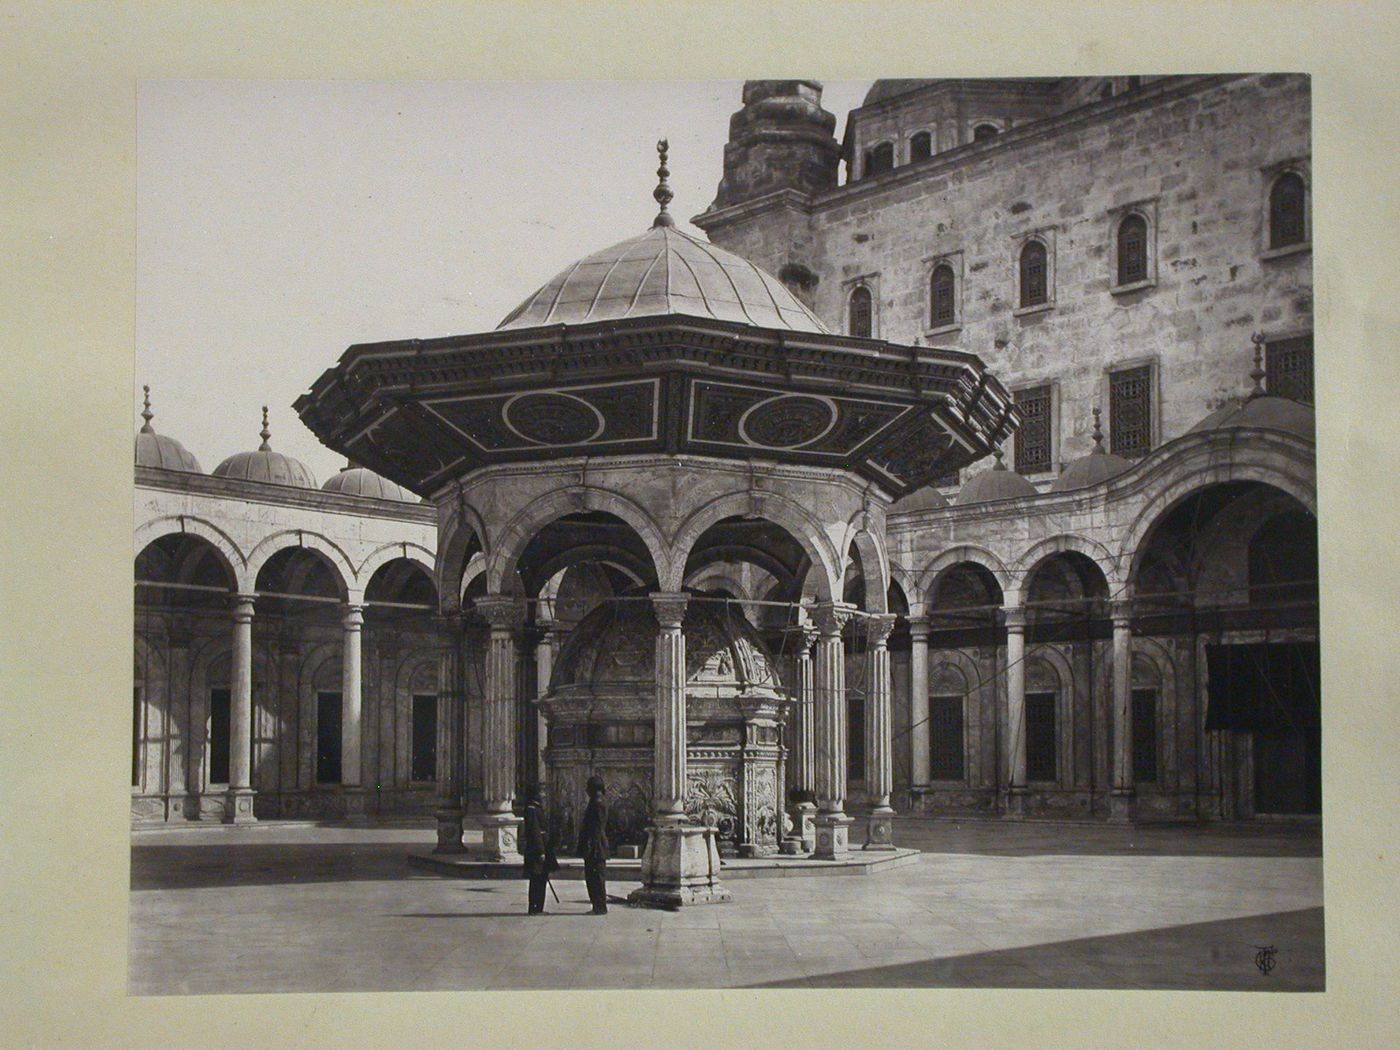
[{"x": 1113, "y": 617}]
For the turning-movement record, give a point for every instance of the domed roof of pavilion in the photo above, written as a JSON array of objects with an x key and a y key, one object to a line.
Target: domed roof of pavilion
[
  {"x": 926, "y": 498},
  {"x": 994, "y": 484},
  {"x": 664, "y": 271},
  {"x": 361, "y": 481},
  {"x": 1265, "y": 412},
  {"x": 263, "y": 464},
  {"x": 158, "y": 450},
  {"x": 614, "y": 646},
  {"x": 884, "y": 89},
  {"x": 1099, "y": 465}
]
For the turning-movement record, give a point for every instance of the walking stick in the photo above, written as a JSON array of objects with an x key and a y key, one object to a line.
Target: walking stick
[{"x": 552, "y": 890}]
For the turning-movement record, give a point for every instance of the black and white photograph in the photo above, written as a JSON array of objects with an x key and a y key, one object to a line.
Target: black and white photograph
[
  {"x": 666, "y": 501},
  {"x": 696, "y": 525}
]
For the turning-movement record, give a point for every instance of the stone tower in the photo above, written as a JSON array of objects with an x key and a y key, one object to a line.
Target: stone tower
[{"x": 781, "y": 139}]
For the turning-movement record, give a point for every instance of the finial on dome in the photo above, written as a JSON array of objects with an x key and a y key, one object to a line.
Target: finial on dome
[
  {"x": 662, "y": 193},
  {"x": 1098, "y": 434},
  {"x": 1257, "y": 373},
  {"x": 998, "y": 465},
  {"x": 146, "y": 412},
  {"x": 349, "y": 465},
  {"x": 264, "y": 433}
]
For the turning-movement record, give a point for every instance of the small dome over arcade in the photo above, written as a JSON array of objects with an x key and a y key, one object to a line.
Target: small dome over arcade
[
  {"x": 926, "y": 498},
  {"x": 158, "y": 450},
  {"x": 1099, "y": 465},
  {"x": 997, "y": 483},
  {"x": 361, "y": 481},
  {"x": 263, "y": 464},
  {"x": 664, "y": 271},
  {"x": 1262, "y": 410}
]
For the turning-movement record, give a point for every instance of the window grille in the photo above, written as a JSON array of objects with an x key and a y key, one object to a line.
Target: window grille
[
  {"x": 424, "y": 744},
  {"x": 946, "y": 737},
  {"x": 921, "y": 146},
  {"x": 941, "y": 291},
  {"x": 1145, "y": 736},
  {"x": 218, "y": 736},
  {"x": 1286, "y": 211},
  {"x": 1040, "y": 736},
  {"x": 1130, "y": 411},
  {"x": 1033, "y": 439},
  {"x": 861, "y": 312},
  {"x": 328, "y": 769},
  {"x": 1288, "y": 368},
  {"x": 1034, "y": 282},
  {"x": 1132, "y": 250}
]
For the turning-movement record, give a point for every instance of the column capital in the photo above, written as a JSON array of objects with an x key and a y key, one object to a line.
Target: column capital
[
  {"x": 501, "y": 611},
  {"x": 242, "y": 605},
  {"x": 878, "y": 628},
  {"x": 806, "y": 635},
  {"x": 1014, "y": 617},
  {"x": 669, "y": 607},
  {"x": 831, "y": 618},
  {"x": 1121, "y": 611},
  {"x": 353, "y": 615},
  {"x": 918, "y": 628}
]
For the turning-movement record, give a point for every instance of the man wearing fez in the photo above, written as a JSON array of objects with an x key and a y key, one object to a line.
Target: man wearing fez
[
  {"x": 593, "y": 845},
  {"x": 539, "y": 856}
]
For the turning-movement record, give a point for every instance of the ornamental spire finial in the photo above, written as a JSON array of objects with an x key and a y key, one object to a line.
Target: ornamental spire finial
[
  {"x": 998, "y": 453},
  {"x": 1098, "y": 433},
  {"x": 146, "y": 412},
  {"x": 1257, "y": 373},
  {"x": 662, "y": 193},
  {"x": 264, "y": 433}
]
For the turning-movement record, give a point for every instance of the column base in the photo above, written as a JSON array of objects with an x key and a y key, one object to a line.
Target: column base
[
  {"x": 804, "y": 826},
  {"x": 449, "y": 830},
  {"x": 879, "y": 829},
  {"x": 500, "y": 838},
  {"x": 1122, "y": 806},
  {"x": 833, "y": 836},
  {"x": 354, "y": 804},
  {"x": 1016, "y": 803},
  {"x": 680, "y": 866},
  {"x": 238, "y": 806}
]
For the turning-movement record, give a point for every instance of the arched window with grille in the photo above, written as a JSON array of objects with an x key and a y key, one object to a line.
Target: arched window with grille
[
  {"x": 1287, "y": 211},
  {"x": 942, "y": 297},
  {"x": 879, "y": 158},
  {"x": 861, "y": 313},
  {"x": 984, "y": 132},
  {"x": 1035, "y": 277},
  {"x": 920, "y": 146},
  {"x": 1132, "y": 249}
]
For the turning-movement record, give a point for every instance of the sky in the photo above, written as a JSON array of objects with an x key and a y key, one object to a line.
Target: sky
[{"x": 279, "y": 222}]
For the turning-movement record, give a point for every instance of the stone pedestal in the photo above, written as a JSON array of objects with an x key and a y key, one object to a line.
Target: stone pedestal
[
  {"x": 449, "y": 830},
  {"x": 679, "y": 866},
  {"x": 804, "y": 821},
  {"x": 500, "y": 837},
  {"x": 1122, "y": 807},
  {"x": 354, "y": 804},
  {"x": 1016, "y": 803},
  {"x": 879, "y": 829},
  {"x": 791, "y": 848},
  {"x": 238, "y": 806},
  {"x": 833, "y": 836}
]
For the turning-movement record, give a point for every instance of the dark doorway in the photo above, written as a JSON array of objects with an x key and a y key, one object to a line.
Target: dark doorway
[
  {"x": 328, "y": 738},
  {"x": 1288, "y": 771},
  {"x": 218, "y": 736}
]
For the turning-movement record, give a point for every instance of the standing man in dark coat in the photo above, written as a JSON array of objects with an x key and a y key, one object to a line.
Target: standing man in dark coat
[
  {"x": 593, "y": 845},
  {"x": 539, "y": 857}
]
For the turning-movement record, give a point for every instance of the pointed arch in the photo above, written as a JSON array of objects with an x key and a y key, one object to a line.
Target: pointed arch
[
  {"x": 1093, "y": 550},
  {"x": 929, "y": 577},
  {"x": 233, "y": 559},
  {"x": 381, "y": 556},
  {"x": 291, "y": 539}
]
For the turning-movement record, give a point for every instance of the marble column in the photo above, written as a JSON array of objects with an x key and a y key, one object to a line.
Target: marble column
[
  {"x": 500, "y": 825},
  {"x": 544, "y": 669},
  {"x": 829, "y": 731},
  {"x": 1122, "y": 795},
  {"x": 803, "y": 753},
  {"x": 668, "y": 780},
  {"x": 451, "y": 745},
  {"x": 1015, "y": 617},
  {"x": 918, "y": 701},
  {"x": 351, "y": 711},
  {"x": 879, "y": 734},
  {"x": 238, "y": 803}
]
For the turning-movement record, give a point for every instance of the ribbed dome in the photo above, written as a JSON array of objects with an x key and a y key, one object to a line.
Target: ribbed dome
[
  {"x": 664, "y": 272},
  {"x": 157, "y": 450},
  {"x": 614, "y": 645},
  {"x": 928, "y": 498},
  {"x": 360, "y": 481},
  {"x": 1099, "y": 465},
  {"x": 994, "y": 484},
  {"x": 263, "y": 464},
  {"x": 1265, "y": 412}
]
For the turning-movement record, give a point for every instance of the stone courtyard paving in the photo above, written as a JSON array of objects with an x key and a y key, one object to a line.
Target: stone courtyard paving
[{"x": 297, "y": 908}]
